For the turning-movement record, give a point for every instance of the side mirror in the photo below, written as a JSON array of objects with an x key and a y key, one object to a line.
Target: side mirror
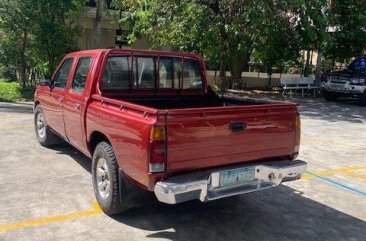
[{"x": 46, "y": 81}]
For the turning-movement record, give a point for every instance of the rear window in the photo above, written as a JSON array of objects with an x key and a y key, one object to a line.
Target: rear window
[
  {"x": 145, "y": 72},
  {"x": 117, "y": 73},
  {"x": 151, "y": 72},
  {"x": 170, "y": 72}
]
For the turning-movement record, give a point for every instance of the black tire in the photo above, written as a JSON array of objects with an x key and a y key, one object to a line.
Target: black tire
[
  {"x": 330, "y": 96},
  {"x": 46, "y": 137},
  {"x": 363, "y": 99},
  {"x": 111, "y": 203}
]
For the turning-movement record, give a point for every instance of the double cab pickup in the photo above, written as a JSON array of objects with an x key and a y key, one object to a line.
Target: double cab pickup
[{"x": 152, "y": 125}]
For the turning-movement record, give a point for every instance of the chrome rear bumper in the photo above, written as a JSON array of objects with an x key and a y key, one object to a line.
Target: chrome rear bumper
[{"x": 204, "y": 185}]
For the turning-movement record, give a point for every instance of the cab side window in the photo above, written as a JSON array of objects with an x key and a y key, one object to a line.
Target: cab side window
[
  {"x": 117, "y": 73},
  {"x": 81, "y": 74},
  {"x": 192, "y": 78},
  {"x": 60, "y": 79}
]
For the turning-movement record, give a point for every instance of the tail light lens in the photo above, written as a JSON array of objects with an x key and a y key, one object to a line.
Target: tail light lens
[
  {"x": 297, "y": 135},
  {"x": 157, "y": 158}
]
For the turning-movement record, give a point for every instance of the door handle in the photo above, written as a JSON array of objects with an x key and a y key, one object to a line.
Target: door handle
[{"x": 77, "y": 106}]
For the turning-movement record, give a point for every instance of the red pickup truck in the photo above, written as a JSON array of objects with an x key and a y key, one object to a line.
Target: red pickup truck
[{"x": 150, "y": 121}]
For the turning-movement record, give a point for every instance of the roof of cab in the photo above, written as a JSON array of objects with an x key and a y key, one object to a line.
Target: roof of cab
[{"x": 137, "y": 51}]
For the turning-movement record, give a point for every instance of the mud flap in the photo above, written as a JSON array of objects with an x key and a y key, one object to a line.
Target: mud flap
[{"x": 132, "y": 195}]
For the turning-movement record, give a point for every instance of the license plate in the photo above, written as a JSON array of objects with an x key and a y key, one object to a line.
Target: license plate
[
  {"x": 337, "y": 87},
  {"x": 237, "y": 177}
]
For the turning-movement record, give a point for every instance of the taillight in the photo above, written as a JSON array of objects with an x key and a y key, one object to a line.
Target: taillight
[
  {"x": 297, "y": 135},
  {"x": 157, "y": 158}
]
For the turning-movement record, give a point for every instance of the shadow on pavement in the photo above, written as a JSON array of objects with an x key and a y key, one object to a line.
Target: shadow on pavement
[
  {"x": 77, "y": 156},
  {"x": 344, "y": 109},
  {"x": 16, "y": 108},
  {"x": 277, "y": 214},
  {"x": 348, "y": 110}
]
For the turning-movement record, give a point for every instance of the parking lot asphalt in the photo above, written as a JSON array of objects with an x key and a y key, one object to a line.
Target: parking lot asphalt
[{"x": 46, "y": 194}]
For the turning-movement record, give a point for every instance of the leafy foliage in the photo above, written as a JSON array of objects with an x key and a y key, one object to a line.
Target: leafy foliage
[
  {"x": 232, "y": 32},
  {"x": 347, "y": 29},
  {"x": 10, "y": 92},
  {"x": 54, "y": 28},
  {"x": 37, "y": 33}
]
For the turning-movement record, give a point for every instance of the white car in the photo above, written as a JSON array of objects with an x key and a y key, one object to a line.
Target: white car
[{"x": 349, "y": 83}]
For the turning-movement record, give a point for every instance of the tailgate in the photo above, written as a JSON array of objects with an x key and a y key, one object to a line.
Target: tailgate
[{"x": 207, "y": 137}]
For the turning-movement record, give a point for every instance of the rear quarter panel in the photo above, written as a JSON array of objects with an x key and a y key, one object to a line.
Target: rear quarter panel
[{"x": 129, "y": 133}]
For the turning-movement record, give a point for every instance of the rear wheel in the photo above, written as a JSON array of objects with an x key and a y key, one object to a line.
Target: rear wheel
[
  {"x": 363, "y": 99},
  {"x": 43, "y": 133},
  {"x": 106, "y": 181},
  {"x": 330, "y": 96}
]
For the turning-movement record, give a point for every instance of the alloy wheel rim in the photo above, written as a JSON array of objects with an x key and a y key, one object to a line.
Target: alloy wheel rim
[
  {"x": 41, "y": 128},
  {"x": 103, "y": 182}
]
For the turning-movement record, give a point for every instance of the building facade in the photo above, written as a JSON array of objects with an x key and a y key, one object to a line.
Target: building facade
[{"x": 112, "y": 34}]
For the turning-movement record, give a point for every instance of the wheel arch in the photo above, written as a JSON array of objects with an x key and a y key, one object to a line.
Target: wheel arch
[
  {"x": 36, "y": 103},
  {"x": 95, "y": 138}
]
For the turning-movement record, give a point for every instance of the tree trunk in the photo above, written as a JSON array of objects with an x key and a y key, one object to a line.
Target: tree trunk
[
  {"x": 51, "y": 64},
  {"x": 318, "y": 69},
  {"x": 97, "y": 23},
  {"x": 269, "y": 72},
  {"x": 237, "y": 64},
  {"x": 307, "y": 64},
  {"x": 222, "y": 76},
  {"x": 23, "y": 61},
  {"x": 236, "y": 69}
]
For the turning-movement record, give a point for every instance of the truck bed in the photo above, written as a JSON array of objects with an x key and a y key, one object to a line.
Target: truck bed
[
  {"x": 191, "y": 101},
  {"x": 201, "y": 134}
]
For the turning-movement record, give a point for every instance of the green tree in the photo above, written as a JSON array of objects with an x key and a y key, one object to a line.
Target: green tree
[
  {"x": 311, "y": 27},
  {"x": 347, "y": 30},
  {"x": 54, "y": 28},
  {"x": 226, "y": 30},
  {"x": 15, "y": 28},
  {"x": 37, "y": 31}
]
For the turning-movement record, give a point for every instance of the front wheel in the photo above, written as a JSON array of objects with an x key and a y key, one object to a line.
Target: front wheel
[
  {"x": 106, "y": 180},
  {"x": 330, "y": 96},
  {"x": 43, "y": 133}
]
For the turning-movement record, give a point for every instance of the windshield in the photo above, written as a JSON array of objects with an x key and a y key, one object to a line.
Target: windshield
[{"x": 358, "y": 64}]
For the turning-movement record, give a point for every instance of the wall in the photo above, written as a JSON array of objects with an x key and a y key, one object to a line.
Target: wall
[{"x": 252, "y": 79}]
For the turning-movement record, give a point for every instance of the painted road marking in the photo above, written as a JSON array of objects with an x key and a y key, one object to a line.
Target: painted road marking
[
  {"x": 330, "y": 142},
  {"x": 16, "y": 127},
  {"x": 355, "y": 175},
  {"x": 94, "y": 211},
  {"x": 341, "y": 185},
  {"x": 345, "y": 170}
]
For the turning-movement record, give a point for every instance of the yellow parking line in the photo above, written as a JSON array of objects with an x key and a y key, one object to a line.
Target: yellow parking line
[
  {"x": 330, "y": 142},
  {"x": 358, "y": 176},
  {"x": 335, "y": 171},
  {"x": 306, "y": 176},
  {"x": 94, "y": 211},
  {"x": 15, "y": 127}
]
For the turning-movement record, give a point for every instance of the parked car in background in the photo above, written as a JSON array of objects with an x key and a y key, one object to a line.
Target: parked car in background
[
  {"x": 350, "y": 82},
  {"x": 150, "y": 123}
]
